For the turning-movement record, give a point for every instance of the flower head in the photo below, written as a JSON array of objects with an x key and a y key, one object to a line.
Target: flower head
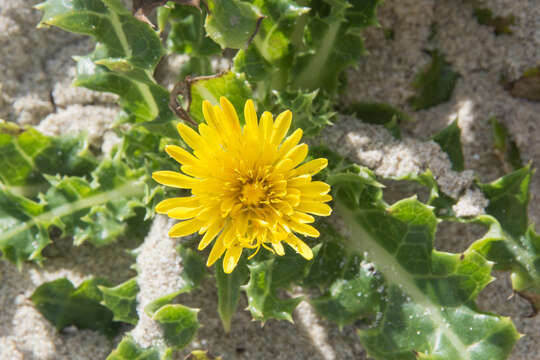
[{"x": 249, "y": 188}]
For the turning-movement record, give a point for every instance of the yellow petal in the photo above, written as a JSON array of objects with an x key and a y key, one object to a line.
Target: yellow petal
[
  {"x": 266, "y": 125},
  {"x": 217, "y": 250},
  {"x": 278, "y": 247},
  {"x": 250, "y": 116},
  {"x": 209, "y": 235},
  {"x": 311, "y": 167},
  {"x": 185, "y": 228},
  {"x": 230, "y": 115},
  {"x": 180, "y": 155},
  {"x": 209, "y": 115},
  {"x": 281, "y": 126},
  {"x": 297, "y": 154},
  {"x": 284, "y": 165},
  {"x": 299, "y": 180},
  {"x": 284, "y": 207},
  {"x": 315, "y": 188},
  {"x": 301, "y": 247},
  {"x": 183, "y": 213},
  {"x": 314, "y": 207},
  {"x": 164, "y": 206},
  {"x": 290, "y": 142},
  {"x": 231, "y": 259},
  {"x": 174, "y": 179},
  {"x": 191, "y": 137},
  {"x": 302, "y": 217},
  {"x": 317, "y": 198},
  {"x": 304, "y": 229}
]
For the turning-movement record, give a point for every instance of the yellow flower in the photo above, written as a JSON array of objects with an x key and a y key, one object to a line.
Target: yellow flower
[{"x": 248, "y": 187}]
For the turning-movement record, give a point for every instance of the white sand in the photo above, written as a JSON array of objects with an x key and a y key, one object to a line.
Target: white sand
[{"x": 36, "y": 70}]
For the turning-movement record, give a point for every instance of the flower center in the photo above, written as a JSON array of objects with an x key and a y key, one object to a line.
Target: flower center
[{"x": 252, "y": 193}]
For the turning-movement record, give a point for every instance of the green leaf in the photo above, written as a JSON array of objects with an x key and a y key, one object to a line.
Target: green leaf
[
  {"x": 122, "y": 301},
  {"x": 252, "y": 64},
  {"x": 63, "y": 305},
  {"x": 97, "y": 212},
  {"x": 266, "y": 277},
  {"x": 194, "y": 267},
  {"x": 232, "y": 86},
  {"x": 274, "y": 36},
  {"x": 26, "y": 154},
  {"x": 512, "y": 244},
  {"x": 434, "y": 84},
  {"x": 151, "y": 308},
  {"x": 332, "y": 260},
  {"x": 129, "y": 350},
  {"x": 232, "y": 23},
  {"x": 378, "y": 114},
  {"x": 413, "y": 300},
  {"x": 188, "y": 36},
  {"x": 179, "y": 324},
  {"x": 229, "y": 290},
  {"x": 334, "y": 42},
  {"x": 123, "y": 62},
  {"x": 311, "y": 111},
  {"x": 346, "y": 300},
  {"x": 449, "y": 139}
]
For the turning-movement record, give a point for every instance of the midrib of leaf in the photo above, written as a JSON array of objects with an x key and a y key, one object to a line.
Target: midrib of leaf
[
  {"x": 28, "y": 159},
  {"x": 143, "y": 88},
  {"x": 307, "y": 78},
  {"x": 129, "y": 189},
  {"x": 363, "y": 243}
]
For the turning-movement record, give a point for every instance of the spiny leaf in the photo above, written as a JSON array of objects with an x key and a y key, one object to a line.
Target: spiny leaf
[
  {"x": 126, "y": 54},
  {"x": 449, "y": 139},
  {"x": 96, "y": 212},
  {"x": 122, "y": 301},
  {"x": 266, "y": 277},
  {"x": 63, "y": 305},
  {"x": 434, "y": 84},
  {"x": 513, "y": 245},
  {"x": 26, "y": 154},
  {"x": 411, "y": 298},
  {"x": 179, "y": 324},
  {"x": 334, "y": 42},
  {"x": 311, "y": 111}
]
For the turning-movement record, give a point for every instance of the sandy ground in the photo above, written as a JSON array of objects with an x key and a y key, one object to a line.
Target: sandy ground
[{"x": 35, "y": 89}]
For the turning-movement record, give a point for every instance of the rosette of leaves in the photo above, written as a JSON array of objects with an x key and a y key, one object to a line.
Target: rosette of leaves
[{"x": 124, "y": 59}]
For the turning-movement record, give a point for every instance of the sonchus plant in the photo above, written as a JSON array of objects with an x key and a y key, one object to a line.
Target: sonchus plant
[{"x": 246, "y": 182}]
